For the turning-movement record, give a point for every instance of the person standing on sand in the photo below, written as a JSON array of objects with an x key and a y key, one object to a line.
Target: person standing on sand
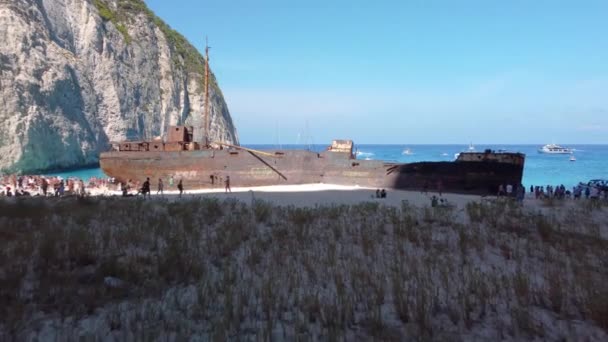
[
  {"x": 145, "y": 189},
  {"x": 45, "y": 186},
  {"x": 228, "y": 184},
  {"x": 161, "y": 186},
  {"x": 501, "y": 190},
  {"x": 171, "y": 182},
  {"x": 434, "y": 201},
  {"x": 71, "y": 186},
  {"x": 180, "y": 187},
  {"x": 124, "y": 189},
  {"x": 83, "y": 190}
]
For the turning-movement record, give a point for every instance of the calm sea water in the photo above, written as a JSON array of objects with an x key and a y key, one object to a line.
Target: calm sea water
[{"x": 540, "y": 169}]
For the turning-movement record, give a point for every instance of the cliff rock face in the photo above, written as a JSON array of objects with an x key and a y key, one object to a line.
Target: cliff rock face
[{"x": 76, "y": 75}]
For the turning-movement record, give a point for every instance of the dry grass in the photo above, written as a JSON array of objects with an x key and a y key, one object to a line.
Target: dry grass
[{"x": 229, "y": 270}]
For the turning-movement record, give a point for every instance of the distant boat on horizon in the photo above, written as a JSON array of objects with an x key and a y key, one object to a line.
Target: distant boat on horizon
[
  {"x": 471, "y": 147},
  {"x": 572, "y": 158},
  {"x": 554, "y": 149},
  {"x": 407, "y": 152}
]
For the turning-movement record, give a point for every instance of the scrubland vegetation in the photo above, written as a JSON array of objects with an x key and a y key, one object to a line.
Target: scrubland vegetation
[{"x": 226, "y": 270}]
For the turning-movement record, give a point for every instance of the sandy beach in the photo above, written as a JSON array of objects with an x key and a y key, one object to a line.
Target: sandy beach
[{"x": 310, "y": 195}]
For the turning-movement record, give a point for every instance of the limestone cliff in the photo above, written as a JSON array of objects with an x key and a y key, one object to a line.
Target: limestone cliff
[{"x": 78, "y": 74}]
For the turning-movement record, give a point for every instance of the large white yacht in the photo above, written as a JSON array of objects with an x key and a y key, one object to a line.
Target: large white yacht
[{"x": 554, "y": 149}]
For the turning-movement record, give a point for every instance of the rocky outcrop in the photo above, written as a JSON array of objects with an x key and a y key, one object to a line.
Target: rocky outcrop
[{"x": 76, "y": 75}]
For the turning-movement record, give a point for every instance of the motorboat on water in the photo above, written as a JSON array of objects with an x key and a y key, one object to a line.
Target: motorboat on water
[
  {"x": 554, "y": 149},
  {"x": 407, "y": 152},
  {"x": 471, "y": 147},
  {"x": 572, "y": 158}
]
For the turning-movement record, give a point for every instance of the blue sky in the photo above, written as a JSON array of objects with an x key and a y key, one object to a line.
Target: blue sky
[{"x": 406, "y": 72}]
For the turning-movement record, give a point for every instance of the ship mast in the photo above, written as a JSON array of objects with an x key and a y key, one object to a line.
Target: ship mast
[{"x": 206, "y": 113}]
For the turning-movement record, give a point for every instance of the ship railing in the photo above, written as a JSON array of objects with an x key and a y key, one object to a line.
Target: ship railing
[{"x": 154, "y": 146}]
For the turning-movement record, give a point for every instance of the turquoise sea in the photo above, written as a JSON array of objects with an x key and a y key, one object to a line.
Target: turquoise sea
[{"x": 540, "y": 169}]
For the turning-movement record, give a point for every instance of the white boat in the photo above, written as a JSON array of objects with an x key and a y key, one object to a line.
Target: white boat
[
  {"x": 471, "y": 147},
  {"x": 572, "y": 158},
  {"x": 554, "y": 149},
  {"x": 407, "y": 152}
]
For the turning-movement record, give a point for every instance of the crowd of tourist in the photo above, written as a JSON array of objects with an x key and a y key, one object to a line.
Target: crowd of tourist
[
  {"x": 552, "y": 192},
  {"x": 54, "y": 186},
  {"x": 46, "y": 186},
  {"x": 518, "y": 191},
  {"x": 560, "y": 192}
]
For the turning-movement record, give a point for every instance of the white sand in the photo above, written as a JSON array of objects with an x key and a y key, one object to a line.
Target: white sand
[{"x": 317, "y": 194}]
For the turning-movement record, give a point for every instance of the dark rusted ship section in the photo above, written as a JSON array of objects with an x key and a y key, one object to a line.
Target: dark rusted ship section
[{"x": 207, "y": 165}]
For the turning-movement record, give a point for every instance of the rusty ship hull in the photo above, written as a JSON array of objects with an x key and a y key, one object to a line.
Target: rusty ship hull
[
  {"x": 204, "y": 164},
  {"x": 473, "y": 172}
]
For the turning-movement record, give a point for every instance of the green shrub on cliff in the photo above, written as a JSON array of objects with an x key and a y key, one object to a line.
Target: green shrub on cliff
[
  {"x": 108, "y": 15},
  {"x": 184, "y": 54},
  {"x": 104, "y": 11},
  {"x": 192, "y": 59}
]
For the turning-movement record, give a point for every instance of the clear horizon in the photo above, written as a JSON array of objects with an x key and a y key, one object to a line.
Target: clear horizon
[{"x": 433, "y": 72}]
